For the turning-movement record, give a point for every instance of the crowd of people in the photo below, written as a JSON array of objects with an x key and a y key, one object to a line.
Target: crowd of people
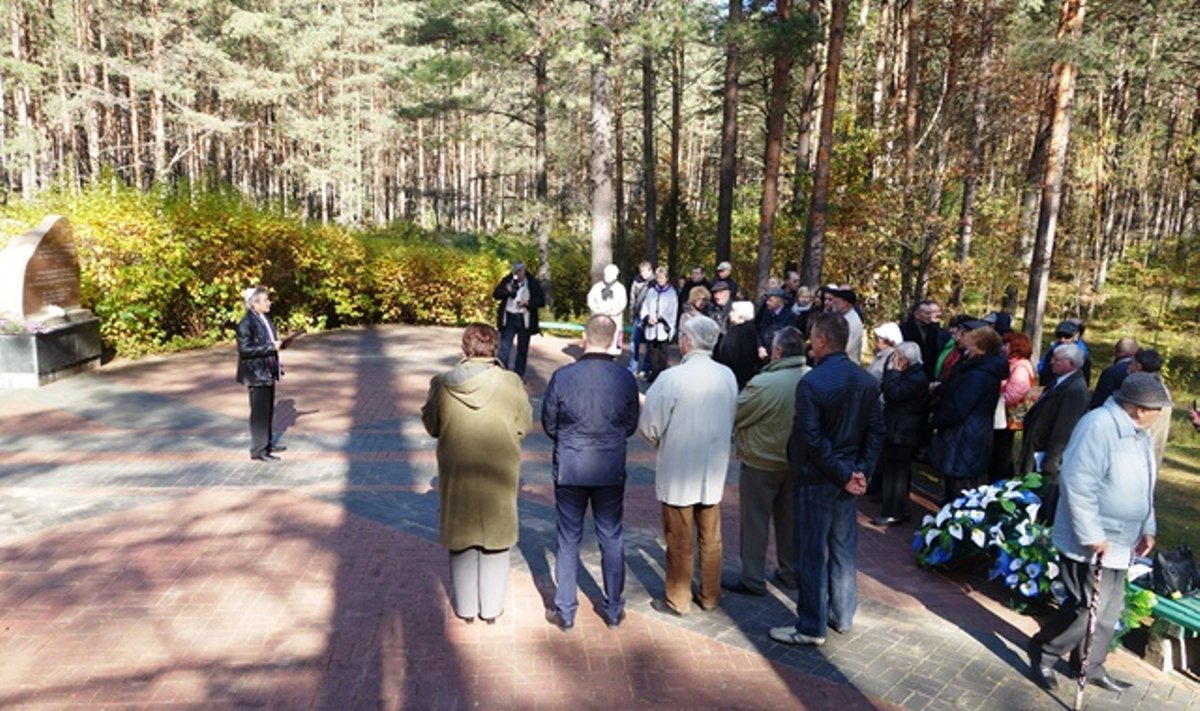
[{"x": 782, "y": 384}]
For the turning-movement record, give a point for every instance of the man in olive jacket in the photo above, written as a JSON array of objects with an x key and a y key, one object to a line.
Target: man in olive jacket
[
  {"x": 765, "y": 409},
  {"x": 589, "y": 409}
]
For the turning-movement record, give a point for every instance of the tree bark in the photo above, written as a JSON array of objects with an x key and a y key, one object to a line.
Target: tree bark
[
  {"x": 649, "y": 157},
  {"x": 814, "y": 233},
  {"x": 781, "y": 87},
  {"x": 601, "y": 155},
  {"x": 729, "y": 132},
  {"x": 1070, "y": 27},
  {"x": 674, "y": 196},
  {"x": 966, "y": 221}
]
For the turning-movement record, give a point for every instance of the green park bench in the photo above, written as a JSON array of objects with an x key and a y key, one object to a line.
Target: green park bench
[{"x": 1177, "y": 622}]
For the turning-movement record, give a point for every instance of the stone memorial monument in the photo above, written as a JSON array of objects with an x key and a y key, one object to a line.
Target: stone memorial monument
[{"x": 45, "y": 334}]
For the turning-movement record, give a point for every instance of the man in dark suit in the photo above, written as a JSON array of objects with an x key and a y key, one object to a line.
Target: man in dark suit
[
  {"x": 258, "y": 369},
  {"x": 589, "y": 409},
  {"x": 836, "y": 438},
  {"x": 774, "y": 317},
  {"x": 924, "y": 329},
  {"x": 1112, "y": 377},
  {"x": 517, "y": 315},
  {"x": 1049, "y": 423}
]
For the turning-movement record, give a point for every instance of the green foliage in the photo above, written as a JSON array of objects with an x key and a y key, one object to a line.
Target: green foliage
[
  {"x": 422, "y": 282},
  {"x": 1138, "y": 604},
  {"x": 167, "y": 273}
]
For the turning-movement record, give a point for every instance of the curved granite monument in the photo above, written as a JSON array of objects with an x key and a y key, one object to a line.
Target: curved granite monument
[{"x": 48, "y": 335}]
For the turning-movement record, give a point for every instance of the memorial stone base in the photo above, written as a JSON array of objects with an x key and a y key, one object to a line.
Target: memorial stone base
[{"x": 30, "y": 360}]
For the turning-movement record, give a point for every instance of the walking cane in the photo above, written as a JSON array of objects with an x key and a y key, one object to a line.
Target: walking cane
[{"x": 1093, "y": 609}]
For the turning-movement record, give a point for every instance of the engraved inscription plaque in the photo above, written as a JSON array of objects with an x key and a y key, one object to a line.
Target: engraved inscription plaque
[{"x": 39, "y": 272}]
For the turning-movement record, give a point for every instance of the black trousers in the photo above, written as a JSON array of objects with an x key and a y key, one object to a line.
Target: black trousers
[
  {"x": 1064, "y": 631},
  {"x": 657, "y": 357},
  {"x": 894, "y": 472},
  {"x": 262, "y": 412},
  {"x": 1001, "y": 466}
]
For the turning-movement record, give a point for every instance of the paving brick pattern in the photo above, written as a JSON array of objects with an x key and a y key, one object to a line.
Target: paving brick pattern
[{"x": 145, "y": 562}]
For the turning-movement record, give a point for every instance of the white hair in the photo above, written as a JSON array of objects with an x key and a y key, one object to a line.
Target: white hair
[
  {"x": 703, "y": 332},
  {"x": 249, "y": 296},
  {"x": 909, "y": 351}
]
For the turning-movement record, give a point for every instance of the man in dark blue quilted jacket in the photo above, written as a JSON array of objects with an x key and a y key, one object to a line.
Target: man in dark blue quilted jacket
[{"x": 589, "y": 409}]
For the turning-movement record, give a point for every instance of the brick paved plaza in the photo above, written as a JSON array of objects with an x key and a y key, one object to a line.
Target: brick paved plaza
[{"x": 146, "y": 562}]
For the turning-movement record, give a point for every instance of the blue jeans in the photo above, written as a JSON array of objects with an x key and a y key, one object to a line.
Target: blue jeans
[
  {"x": 608, "y": 507},
  {"x": 826, "y": 539},
  {"x": 635, "y": 340}
]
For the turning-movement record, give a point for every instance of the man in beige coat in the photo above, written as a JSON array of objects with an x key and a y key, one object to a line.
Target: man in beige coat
[
  {"x": 688, "y": 416},
  {"x": 765, "y": 410},
  {"x": 479, "y": 413}
]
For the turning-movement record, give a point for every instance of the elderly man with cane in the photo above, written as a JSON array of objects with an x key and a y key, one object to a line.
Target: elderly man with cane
[{"x": 1105, "y": 517}]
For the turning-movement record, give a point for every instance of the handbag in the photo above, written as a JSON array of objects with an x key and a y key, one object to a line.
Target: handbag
[
  {"x": 1016, "y": 413},
  {"x": 1175, "y": 572}
]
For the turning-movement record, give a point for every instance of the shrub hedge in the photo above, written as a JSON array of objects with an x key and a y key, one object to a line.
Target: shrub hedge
[{"x": 165, "y": 271}]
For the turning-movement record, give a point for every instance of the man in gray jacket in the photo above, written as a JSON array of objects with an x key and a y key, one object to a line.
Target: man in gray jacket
[
  {"x": 765, "y": 410},
  {"x": 1105, "y": 517},
  {"x": 688, "y": 417}
]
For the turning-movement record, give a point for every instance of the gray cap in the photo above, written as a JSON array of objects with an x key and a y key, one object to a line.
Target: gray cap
[
  {"x": 1144, "y": 390},
  {"x": 723, "y": 266},
  {"x": 777, "y": 292},
  {"x": 518, "y": 264}
]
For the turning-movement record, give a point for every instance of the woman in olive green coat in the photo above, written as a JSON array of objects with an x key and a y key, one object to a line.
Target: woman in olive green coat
[{"x": 479, "y": 413}]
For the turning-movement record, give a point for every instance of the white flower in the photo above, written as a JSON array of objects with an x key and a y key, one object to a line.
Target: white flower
[
  {"x": 943, "y": 515},
  {"x": 1016, "y": 564},
  {"x": 977, "y": 516},
  {"x": 1025, "y": 540},
  {"x": 1011, "y": 484},
  {"x": 931, "y": 534},
  {"x": 1012, "y": 579},
  {"x": 927, "y": 520},
  {"x": 955, "y": 530},
  {"x": 989, "y": 498},
  {"x": 1011, "y": 494},
  {"x": 1032, "y": 510},
  {"x": 1052, "y": 570},
  {"x": 978, "y": 537}
]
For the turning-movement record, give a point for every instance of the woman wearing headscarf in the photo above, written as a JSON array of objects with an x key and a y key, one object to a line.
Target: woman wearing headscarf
[
  {"x": 479, "y": 413},
  {"x": 905, "y": 391}
]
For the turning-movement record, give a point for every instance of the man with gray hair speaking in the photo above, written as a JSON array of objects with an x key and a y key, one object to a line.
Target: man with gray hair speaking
[
  {"x": 688, "y": 417},
  {"x": 258, "y": 368}
]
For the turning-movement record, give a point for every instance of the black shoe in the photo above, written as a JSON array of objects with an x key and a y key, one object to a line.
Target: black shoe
[
  {"x": 266, "y": 457},
  {"x": 787, "y": 583},
  {"x": 1106, "y": 682},
  {"x": 886, "y": 521},
  {"x": 277, "y": 448},
  {"x": 739, "y": 587},
  {"x": 696, "y": 602},
  {"x": 613, "y": 624},
  {"x": 1042, "y": 674},
  {"x": 665, "y": 608},
  {"x": 555, "y": 618}
]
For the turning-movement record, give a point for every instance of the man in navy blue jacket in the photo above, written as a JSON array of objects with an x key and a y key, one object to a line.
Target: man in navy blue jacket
[
  {"x": 837, "y": 435},
  {"x": 589, "y": 409}
]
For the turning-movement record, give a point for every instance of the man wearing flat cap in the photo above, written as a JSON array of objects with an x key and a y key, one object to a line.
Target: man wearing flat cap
[
  {"x": 774, "y": 317},
  {"x": 1105, "y": 518},
  {"x": 843, "y": 301},
  {"x": 1069, "y": 331}
]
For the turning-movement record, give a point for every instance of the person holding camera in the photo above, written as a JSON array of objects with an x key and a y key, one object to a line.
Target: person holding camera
[{"x": 660, "y": 309}]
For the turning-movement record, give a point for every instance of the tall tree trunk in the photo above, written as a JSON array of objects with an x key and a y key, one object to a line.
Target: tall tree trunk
[
  {"x": 814, "y": 233},
  {"x": 729, "y": 132},
  {"x": 649, "y": 157},
  {"x": 621, "y": 256},
  {"x": 601, "y": 155},
  {"x": 912, "y": 99},
  {"x": 1070, "y": 27},
  {"x": 135, "y": 119},
  {"x": 808, "y": 105},
  {"x": 23, "y": 107},
  {"x": 781, "y": 87},
  {"x": 157, "y": 102},
  {"x": 966, "y": 221},
  {"x": 674, "y": 196},
  {"x": 541, "y": 182}
]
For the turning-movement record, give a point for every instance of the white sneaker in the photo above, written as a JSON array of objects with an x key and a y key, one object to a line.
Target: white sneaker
[{"x": 789, "y": 635}]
